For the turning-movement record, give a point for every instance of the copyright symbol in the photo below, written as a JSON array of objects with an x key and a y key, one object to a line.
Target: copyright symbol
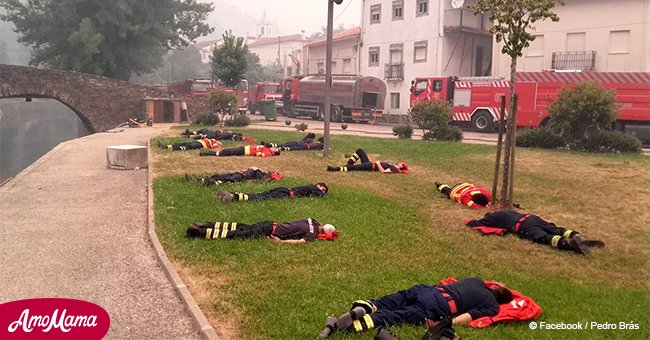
[{"x": 532, "y": 325}]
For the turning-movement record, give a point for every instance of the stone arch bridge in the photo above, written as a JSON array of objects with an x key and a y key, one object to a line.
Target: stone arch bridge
[{"x": 100, "y": 102}]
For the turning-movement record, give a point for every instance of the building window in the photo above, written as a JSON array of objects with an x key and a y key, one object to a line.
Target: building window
[
  {"x": 536, "y": 48},
  {"x": 375, "y": 14},
  {"x": 373, "y": 56},
  {"x": 398, "y": 10},
  {"x": 619, "y": 42},
  {"x": 320, "y": 68},
  {"x": 422, "y": 7},
  {"x": 347, "y": 65},
  {"x": 394, "y": 100},
  {"x": 420, "y": 51}
]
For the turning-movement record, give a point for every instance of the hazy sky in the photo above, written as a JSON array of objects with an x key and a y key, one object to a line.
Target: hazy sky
[{"x": 292, "y": 16}]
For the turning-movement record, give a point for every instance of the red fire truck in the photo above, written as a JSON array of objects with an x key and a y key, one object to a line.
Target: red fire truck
[
  {"x": 264, "y": 91},
  {"x": 353, "y": 97},
  {"x": 476, "y": 100},
  {"x": 203, "y": 88}
]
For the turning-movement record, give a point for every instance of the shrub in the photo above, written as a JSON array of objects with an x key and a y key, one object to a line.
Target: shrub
[
  {"x": 301, "y": 126},
  {"x": 238, "y": 120},
  {"x": 430, "y": 115},
  {"x": 446, "y": 133},
  {"x": 584, "y": 109},
  {"x": 540, "y": 138},
  {"x": 403, "y": 131},
  {"x": 206, "y": 119},
  {"x": 223, "y": 102},
  {"x": 609, "y": 141}
]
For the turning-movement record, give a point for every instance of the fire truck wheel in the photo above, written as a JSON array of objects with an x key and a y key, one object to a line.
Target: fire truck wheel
[
  {"x": 320, "y": 114},
  {"x": 483, "y": 121},
  {"x": 336, "y": 113}
]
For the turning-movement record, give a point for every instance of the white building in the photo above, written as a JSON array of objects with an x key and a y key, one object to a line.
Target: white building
[
  {"x": 345, "y": 53},
  {"x": 609, "y": 36},
  {"x": 404, "y": 39}
]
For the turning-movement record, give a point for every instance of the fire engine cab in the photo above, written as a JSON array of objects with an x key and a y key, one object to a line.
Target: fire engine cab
[{"x": 476, "y": 100}]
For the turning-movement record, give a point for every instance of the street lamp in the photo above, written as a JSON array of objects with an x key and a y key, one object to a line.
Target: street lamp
[{"x": 328, "y": 75}]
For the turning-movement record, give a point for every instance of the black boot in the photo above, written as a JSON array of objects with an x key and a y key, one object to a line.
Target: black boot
[
  {"x": 195, "y": 231},
  {"x": 333, "y": 168},
  {"x": 383, "y": 334},
  {"x": 574, "y": 244},
  {"x": 346, "y": 319}
]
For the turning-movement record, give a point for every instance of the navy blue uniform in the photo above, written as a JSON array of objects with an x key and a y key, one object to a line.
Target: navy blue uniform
[
  {"x": 527, "y": 226},
  {"x": 301, "y": 191},
  {"x": 420, "y": 302},
  {"x": 306, "y": 229}
]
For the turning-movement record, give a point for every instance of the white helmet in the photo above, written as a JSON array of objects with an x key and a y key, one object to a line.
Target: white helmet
[{"x": 328, "y": 228}]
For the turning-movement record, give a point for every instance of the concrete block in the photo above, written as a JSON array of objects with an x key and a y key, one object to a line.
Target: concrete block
[{"x": 126, "y": 157}]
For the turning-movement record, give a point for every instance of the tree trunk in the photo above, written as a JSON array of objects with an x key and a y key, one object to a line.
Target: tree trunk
[
  {"x": 506, "y": 200},
  {"x": 497, "y": 163}
]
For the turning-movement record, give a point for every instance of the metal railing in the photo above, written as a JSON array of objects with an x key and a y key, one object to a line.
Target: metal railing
[
  {"x": 394, "y": 71},
  {"x": 574, "y": 60}
]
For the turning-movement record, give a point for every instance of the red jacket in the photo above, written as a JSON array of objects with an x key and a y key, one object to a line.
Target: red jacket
[
  {"x": 462, "y": 193},
  {"x": 521, "y": 308},
  {"x": 210, "y": 143},
  {"x": 257, "y": 150}
]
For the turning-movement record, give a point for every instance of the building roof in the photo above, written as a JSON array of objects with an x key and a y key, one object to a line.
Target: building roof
[
  {"x": 274, "y": 40},
  {"x": 353, "y": 32}
]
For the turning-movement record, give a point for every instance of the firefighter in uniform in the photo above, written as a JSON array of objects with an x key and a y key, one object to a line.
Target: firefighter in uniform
[
  {"x": 250, "y": 174},
  {"x": 248, "y": 150},
  {"x": 311, "y": 190},
  {"x": 203, "y": 143},
  {"x": 464, "y": 301},
  {"x": 307, "y": 143},
  {"x": 216, "y": 134},
  {"x": 367, "y": 165},
  {"x": 300, "y": 231},
  {"x": 468, "y": 194},
  {"x": 533, "y": 228}
]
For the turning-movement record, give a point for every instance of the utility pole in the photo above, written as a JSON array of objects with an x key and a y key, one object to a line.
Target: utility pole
[{"x": 328, "y": 75}]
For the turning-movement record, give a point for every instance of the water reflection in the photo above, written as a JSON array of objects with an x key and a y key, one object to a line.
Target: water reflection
[{"x": 29, "y": 129}]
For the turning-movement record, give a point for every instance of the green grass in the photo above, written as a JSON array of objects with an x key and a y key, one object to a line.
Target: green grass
[{"x": 396, "y": 231}]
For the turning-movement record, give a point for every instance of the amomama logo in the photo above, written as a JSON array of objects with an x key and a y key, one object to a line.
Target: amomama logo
[{"x": 53, "y": 318}]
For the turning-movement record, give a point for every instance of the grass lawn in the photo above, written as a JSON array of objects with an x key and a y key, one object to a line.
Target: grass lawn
[{"x": 397, "y": 231}]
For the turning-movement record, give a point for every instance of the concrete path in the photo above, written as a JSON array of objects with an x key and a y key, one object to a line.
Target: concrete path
[
  {"x": 369, "y": 130},
  {"x": 70, "y": 227}
]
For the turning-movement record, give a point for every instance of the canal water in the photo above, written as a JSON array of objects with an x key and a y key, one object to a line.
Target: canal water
[{"x": 30, "y": 127}]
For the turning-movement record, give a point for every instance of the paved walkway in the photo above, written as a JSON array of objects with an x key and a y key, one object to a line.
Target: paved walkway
[
  {"x": 70, "y": 227},
  {"x": 369, "y": 130}
]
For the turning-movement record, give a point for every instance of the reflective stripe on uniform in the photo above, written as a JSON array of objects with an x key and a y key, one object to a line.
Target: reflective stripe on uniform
[
  {"x": 203, "y": 143},
  {"x": 567, "y": 233},
  {"x": 555, "y": 240},
  {"x": 357, "y": 326},
  {"x": 457, "y": 189},
  {"x": 216, "y": 230},
  {"x": 470, "y": 203},
  {"x": 247, "y": 150},
  {"x": 224, "y": 230},
  {"x": 344, "y": 169},
  {"x": 369, "y": 323},
  {"x": 208, "y": 233}
]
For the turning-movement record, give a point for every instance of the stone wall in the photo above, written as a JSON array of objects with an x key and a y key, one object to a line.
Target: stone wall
[{"x": 102, "y": 103}]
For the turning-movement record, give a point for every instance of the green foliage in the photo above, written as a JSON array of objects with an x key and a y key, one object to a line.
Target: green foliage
[
  {"x": 586, "y": 108},
  {"x": 229, "y": 60},
  {"x": 206, "y": 119},
  {"x": 180, "y": 64},
  {"x": 403, "y": 131},
  {"x": 301, "y": 126},
  {"x": 512, "y": 21},
  {"x": 109, "y": 38},
  {"x": 608, "y": 141},
  {"x": 433, "y": 118},
  {"x": 237, "y": 120},
  {"x": 540, "y": 138},
  {"x": 445, "y": 133},
  {"x": 223, "y": 102}
]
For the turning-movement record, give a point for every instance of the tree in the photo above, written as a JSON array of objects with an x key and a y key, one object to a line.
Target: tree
[
  {"x": 512, "y": 22},
  {"x": 110, "y": 38},
  {"x": 229, "y": 60},
  {"x": 323, "y": 32},
  {"x": 178, "y": 65}
]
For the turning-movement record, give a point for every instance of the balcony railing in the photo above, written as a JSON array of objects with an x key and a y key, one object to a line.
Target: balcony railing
[
  {"x": 574, "y": 60},
  {"x": 394, "y": 71},
  {"x": 464, "y": 20}
]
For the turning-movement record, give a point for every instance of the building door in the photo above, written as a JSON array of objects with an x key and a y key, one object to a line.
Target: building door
[
  {"x": 478, "y": 66},
  {"x": 168, "y": 112}
]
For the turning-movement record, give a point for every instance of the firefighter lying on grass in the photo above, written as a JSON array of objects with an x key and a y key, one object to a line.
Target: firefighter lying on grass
[
  {"x": 250, "y": 174},
  {"x": 215, "y": 134},
  {"x": 468, "y": 194},
  {"x": 464, "y": 300},
  {"x": 203, "y": 143},
  {"x": 310, "y": 190},
  {"x": 367, "y": 165},
  {"x": 533, "y": 228},
  {"x": 248, "y": 150},
  {"x": 306, "y": 143},
  {"x": 295, "y": 232}
]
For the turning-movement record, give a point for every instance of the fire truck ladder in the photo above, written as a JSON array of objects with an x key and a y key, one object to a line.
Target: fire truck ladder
[{"x": 480, "y": 79}]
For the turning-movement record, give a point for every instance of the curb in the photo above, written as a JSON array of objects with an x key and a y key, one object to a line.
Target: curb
[{"x": 197, "y": 315}]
